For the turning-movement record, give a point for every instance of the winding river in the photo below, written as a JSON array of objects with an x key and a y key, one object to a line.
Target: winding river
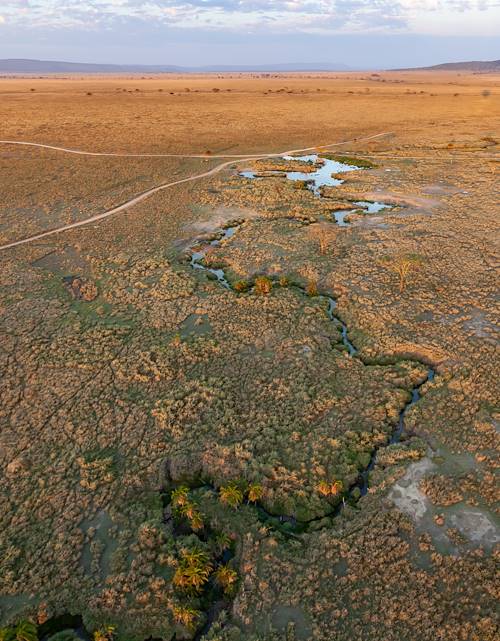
[{"x": 361, "y": 485}]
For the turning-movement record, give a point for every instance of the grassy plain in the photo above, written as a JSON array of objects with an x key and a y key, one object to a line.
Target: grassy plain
[{"x": 166, "y": 378}]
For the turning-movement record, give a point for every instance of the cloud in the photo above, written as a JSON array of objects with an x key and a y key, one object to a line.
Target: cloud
[{"x": 278, "y": 16}]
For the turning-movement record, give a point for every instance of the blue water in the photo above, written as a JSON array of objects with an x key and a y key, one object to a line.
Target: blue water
[{"x": 322, "y": 177}]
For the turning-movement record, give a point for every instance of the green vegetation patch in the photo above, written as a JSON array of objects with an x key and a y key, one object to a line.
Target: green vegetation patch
[{"x": 362, "y": 163}]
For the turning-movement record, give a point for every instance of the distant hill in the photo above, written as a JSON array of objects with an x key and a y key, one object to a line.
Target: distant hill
[
  {"x": 28, "y": 66},
  {"x": 474, "y": 65}
]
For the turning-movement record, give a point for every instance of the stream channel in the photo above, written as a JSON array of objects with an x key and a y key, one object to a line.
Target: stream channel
[{"x": 315, "y": 181}]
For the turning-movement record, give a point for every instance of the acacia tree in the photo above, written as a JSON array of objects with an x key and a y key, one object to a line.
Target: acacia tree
[{"x": 403, "y": 265}]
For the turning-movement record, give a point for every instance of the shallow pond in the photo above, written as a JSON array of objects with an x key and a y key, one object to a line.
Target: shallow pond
[{"x": 325, "y": 175}]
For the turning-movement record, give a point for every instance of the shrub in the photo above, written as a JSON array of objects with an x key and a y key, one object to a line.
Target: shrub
[
  {"x": 312, "y": 288},
  {"x": 321, "y": 233},
  {"x": 263, "y": 285},
  {"x": 241, "y": 286}
]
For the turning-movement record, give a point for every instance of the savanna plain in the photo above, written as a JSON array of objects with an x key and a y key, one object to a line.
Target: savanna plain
[{"x": 261, "y": 404}]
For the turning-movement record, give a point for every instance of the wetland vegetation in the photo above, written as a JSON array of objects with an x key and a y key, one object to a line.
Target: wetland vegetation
[{"x": 261, "y": 406}]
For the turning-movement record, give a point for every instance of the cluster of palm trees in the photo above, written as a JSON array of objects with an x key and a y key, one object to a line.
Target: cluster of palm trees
[
  {"x": 333, "y": 488},
  {"x": 23, "y": 631},
  {"x": 233, "y": 494},
  {"x": 185, "y": 507},
  {"x": 28, "y": 631},
  {"x": 194, "y": 570},
  {"x": 196, "y": 567}
]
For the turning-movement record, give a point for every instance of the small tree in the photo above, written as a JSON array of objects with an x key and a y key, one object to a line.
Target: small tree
[{"x": 403, "y": 265}]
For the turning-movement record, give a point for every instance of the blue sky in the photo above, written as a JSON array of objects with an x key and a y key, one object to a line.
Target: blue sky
[{"x": 363, "y": 33}]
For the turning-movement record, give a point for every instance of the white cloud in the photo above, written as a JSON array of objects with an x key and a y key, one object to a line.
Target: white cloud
[{"x": 280, "y": 16}]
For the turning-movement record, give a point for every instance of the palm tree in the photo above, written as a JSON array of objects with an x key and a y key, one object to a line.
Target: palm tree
[
  {"x": 186, "y": 616},
  {"x": 222, "y": 542},
  {"x": 226, "y": 577},
  {"x": 336, "y": 488},
  {"x": 193, "y": 570},
  {"x": 231, "y": 495},
  {"x": 179, "y": 496},
  {"x": 23, "y": 631},
  {"x": 7, "y": 634},
  {"x": 104, "y": 634},
  {"x": 255, "y": 492},
  {"x": 196, "y": 521},
  {"x": 323, "y": 488}
]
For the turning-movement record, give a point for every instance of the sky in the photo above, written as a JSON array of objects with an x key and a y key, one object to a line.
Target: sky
[{"x": 360, "y": 33}]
